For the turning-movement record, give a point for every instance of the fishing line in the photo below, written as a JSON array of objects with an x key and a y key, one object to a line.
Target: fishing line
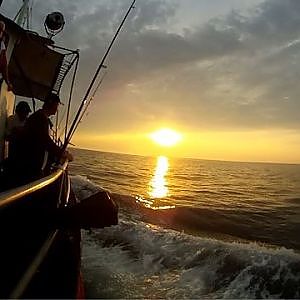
[
  {"x": 89, "y": 102},
  {"x": 101, "y": 65}
]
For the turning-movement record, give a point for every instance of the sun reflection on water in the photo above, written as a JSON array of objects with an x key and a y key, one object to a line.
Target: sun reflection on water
[{"x": 158, "y": 185}]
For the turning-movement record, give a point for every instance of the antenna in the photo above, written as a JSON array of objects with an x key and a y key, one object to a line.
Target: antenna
[{"x": 54, "y": 24}]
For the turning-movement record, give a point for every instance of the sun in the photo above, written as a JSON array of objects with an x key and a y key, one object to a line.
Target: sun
[{"x": 166, "y": 137}]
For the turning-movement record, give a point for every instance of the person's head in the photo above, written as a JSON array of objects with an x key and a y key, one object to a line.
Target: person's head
[
  {"x": 51, "y": 104},
  {"x": 23, "y": 110},
  {"x": 2, "y": 28}
]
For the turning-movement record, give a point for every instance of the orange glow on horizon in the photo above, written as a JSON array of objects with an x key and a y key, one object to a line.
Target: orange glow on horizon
[{"x": 259, "y": 145}]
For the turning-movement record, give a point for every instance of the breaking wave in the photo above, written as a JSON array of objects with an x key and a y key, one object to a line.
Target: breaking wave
[{"x": 137, "y": 259}]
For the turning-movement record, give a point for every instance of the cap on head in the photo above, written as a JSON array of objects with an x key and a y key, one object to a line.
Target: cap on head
[
  {"x": 52, "y": 98},
  {"x": 23, "y": 106}
]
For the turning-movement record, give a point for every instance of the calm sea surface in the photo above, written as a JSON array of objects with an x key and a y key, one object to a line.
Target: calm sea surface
[{"x": 202, "y": 228}]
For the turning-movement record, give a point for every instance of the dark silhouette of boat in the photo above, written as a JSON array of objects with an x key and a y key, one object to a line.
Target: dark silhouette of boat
[{"x": 41, "y": 221}]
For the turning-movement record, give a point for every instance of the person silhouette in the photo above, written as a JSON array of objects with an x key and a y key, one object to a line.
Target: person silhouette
[{"x": 15, "y": 125}]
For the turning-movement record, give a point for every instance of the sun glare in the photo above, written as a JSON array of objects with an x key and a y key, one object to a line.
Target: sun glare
[
  {"x": 158, "y": 184},
  {"x": 166, "y": 137}
]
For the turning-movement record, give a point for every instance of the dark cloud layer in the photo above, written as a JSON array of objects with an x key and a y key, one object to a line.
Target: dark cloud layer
[{"x": 236, "y": 71}]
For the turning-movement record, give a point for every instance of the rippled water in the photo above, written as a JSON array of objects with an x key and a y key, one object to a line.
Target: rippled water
[
  {"x": 190, "y": 178},
  {"x": 191, "y": 228},
  {"x": 255, "y": 201}
]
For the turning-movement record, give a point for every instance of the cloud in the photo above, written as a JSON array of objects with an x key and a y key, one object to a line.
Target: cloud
[
  {"x": 239, "y": 70},
  {"x": 242, "y": 71}
]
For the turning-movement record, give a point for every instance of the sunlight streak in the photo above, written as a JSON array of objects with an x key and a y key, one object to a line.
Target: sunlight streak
[{"x": 158, "y": 184}]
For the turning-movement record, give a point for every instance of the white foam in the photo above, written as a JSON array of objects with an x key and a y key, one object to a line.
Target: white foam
[
  {"x": 183, "y": 266},
  {"x": 139, "y": 260},
  {"x": 83, "y": 187}
]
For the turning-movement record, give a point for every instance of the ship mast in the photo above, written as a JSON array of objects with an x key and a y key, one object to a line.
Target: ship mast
[{"x": 23, "y": 16}]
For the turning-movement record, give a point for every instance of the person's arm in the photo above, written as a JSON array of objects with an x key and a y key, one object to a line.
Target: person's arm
[
  {"x": 45, "y": 138},
  {"x": 41, "y": 133},
  {"x": 52, "y": 148},
  {"x": 37, "y": 127},
  {"x": 57, "y": 151}
]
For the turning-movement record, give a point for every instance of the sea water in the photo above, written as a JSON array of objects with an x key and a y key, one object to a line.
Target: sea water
[{"x": 191, "y": 228}]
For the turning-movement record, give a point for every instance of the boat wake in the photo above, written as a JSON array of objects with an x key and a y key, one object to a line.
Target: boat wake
[{"x": 137, "y": 259}]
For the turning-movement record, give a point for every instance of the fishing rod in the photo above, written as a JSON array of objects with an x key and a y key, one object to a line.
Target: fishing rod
[
  {"x": 101, "y": 65},
  {"x": 88, "y": 103},
  {"x": 85, "y": 108},
  {"x": 63, "y": 131}
]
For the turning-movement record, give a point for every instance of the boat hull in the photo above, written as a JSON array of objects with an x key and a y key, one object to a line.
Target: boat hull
[{"x": 37, "y": 258}]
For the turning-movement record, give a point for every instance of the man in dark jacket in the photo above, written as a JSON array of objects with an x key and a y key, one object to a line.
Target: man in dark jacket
[{"x": 36, "y": 144}]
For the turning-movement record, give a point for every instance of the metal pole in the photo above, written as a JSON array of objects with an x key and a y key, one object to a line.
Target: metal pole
[{"x": 70, "y": 96}]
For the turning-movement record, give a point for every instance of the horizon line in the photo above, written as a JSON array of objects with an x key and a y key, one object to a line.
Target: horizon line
[{"x": 191, "y": 158}]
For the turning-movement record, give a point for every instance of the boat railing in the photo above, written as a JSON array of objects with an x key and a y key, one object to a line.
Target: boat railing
[{"x": 15, "y": 194}]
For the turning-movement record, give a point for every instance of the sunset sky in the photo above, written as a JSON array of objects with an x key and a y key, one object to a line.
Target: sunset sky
[{"x": 223, "y": 74}]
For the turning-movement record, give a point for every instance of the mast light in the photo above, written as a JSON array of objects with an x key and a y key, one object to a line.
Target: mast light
[{"x": 54, "y": 24}]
